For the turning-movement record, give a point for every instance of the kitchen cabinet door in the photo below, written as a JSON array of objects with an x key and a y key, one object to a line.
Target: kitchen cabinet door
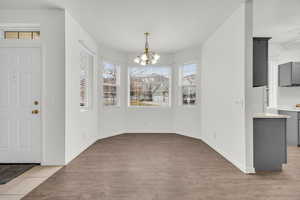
[
  {"x": 260, "y": 62},
  {"x": 292, "y": 127},
  {"x": 296, "y": 73}
]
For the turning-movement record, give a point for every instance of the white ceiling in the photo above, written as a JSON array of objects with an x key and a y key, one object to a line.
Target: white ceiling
[
  {"x": 279, "y": 19},
  {"x": 173, "y": 24},
  {"x": 26, "y": 4}
]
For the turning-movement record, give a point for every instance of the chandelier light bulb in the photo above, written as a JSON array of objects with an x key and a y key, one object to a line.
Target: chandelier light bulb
[
  {"x": 144, "y": 57},
  {"x": 147, "y": 57},
  {"x": 137, "y": 60},
  {"x": 153, "y": 62}
]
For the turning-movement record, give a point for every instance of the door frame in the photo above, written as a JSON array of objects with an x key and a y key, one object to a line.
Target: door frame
[{"x": 34, "y": 44}]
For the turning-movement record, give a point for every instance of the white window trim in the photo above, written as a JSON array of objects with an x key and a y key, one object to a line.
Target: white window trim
[
  {"x": 149, "y": 107},
  {"x": 118, "y": 84},
  {"x": 18, "y": 28},
  {"x": 91, "y": 70},
  {"x": 180, "y": 85}
]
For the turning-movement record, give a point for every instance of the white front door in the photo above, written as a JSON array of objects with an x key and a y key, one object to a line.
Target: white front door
[{"x": 20, "y": 95}]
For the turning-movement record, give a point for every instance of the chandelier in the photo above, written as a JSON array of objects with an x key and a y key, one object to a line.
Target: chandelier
[{"x": 147, "y": 57}]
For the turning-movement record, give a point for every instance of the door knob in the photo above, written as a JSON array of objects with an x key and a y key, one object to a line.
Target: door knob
[{"x": 35, "y": 112}]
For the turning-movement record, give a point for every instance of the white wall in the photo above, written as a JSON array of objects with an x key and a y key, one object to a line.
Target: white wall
[
  {"x": 283, "y": 96},
  {"x": 147, "y": 120},
  {"x": 81, "y": 126},
  {"x": 66, "y": 130},
  {"x": 254, "y": 101},
  {"x": 223, "y": 88},
  {"x": 111, "y": 118},
  {"x": 121, "y": 119},
  {"x": 53, "y": 100},
  {"x": 274, "y": 53},
  {"x": 187, "y": 119}
]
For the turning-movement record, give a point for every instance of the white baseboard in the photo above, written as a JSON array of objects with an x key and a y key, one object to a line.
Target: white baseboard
[
  {"x": 150, "y": 131},
  {"x": 250, "y": 170}
]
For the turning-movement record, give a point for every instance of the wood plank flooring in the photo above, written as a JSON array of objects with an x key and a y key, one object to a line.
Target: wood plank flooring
[{"x": 164, "y": 167}]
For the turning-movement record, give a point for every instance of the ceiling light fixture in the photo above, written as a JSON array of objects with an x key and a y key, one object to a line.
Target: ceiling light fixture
[{"x": 147, "y": 57}]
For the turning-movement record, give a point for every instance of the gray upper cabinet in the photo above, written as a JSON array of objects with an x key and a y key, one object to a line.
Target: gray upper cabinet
[
  {"x": 289, "y": 74},
  {"x": 260, "y": 61}
]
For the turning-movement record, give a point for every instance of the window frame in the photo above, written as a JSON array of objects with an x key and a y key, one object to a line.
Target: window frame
[
  {"x": 91, "y": 78},
  {"x": 150, "y": 107},
  {"x": 117, "y": 65},
  {"x": 19, "y": 27},
  {"x": 21, "y": 31},
  {"x": 180, "y": 85}
]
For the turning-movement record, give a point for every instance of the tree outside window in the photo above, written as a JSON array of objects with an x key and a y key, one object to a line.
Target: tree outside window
[{"x": 110, "y": 84}]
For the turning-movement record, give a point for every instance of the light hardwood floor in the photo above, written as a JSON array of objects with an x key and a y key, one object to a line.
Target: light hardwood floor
[{"x": 164, "y": 167}]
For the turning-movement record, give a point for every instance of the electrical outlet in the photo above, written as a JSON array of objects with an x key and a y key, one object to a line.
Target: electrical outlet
[{"x": 215, "y": 135}]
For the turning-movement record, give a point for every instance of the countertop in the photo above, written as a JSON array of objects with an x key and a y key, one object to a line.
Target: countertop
[{"x": 269, "y": 115}]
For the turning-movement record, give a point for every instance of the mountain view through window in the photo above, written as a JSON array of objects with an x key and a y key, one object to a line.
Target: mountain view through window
[{"x": 149, "y": 86}]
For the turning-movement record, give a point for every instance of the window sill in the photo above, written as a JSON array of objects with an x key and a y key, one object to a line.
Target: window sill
[
  {"x": 149, "y": 108},
  {"x": 111, "y": 106},
  {"x": 188, "y": 106}
]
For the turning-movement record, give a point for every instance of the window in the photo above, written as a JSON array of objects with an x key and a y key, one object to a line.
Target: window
[
  {"x": 21, "y": 35},
  {"x": 110, "y": 84},
  {"x": 187, "y": 84},
  {"x": 149, "y": 86},
  {"x": 86, "y": 79}
]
